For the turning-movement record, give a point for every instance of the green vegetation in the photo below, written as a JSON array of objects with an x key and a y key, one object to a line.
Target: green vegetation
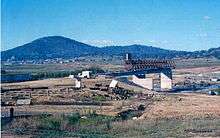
[
  {"x": 59, "y": 74},
  {"x": 217, "y": 91},
  {"x": 50, "y": 122},
  {"x": 46, "y": 71},
  {"x": 99, "y": 98},
  {"x": 95, "y": 70},
  {"x": 73, "y": 119},
  {"x": 93, "y": 125},
  {"x": 124, "y": 93}
]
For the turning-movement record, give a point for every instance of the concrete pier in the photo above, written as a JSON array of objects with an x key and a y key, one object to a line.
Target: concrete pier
[
  {"x": 143, "y": 82},
  {"x": 165, "y": 82},
  {"x": 147, "y": 80}
]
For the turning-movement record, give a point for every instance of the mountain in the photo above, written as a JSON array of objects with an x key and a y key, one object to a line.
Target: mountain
[
  {"x": 50, "y": 47},
  {"x": 62, "y": 47},
  {"x": 214, "y": 52},
  {"x": 142, "y": 51}
]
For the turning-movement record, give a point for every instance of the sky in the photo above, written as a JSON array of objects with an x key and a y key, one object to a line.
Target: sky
[{"x": 171, "y": 24}]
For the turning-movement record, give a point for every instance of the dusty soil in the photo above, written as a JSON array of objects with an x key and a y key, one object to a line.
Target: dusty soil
[
  {"x": 164, "y": 106},
  {"x": 66, "y": 81},
  {"x": 40, "y": 83},
  {"x": 183, "y": 106},
  {"x": 213, "y": 69}
]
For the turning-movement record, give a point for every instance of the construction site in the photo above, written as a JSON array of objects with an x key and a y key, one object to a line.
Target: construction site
[{"x": 146, "y": 89}]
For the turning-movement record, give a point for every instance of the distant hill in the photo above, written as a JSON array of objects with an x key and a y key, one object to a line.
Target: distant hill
[
  {"x": 50, "y": 47},
  {"x": 62, "y": 47}
]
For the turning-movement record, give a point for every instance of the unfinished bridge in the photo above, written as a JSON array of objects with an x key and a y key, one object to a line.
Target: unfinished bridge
[{"x": 148, "y": 72}]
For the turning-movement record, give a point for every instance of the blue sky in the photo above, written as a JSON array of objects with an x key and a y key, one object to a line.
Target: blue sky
[{"x": 171, "y": 24}]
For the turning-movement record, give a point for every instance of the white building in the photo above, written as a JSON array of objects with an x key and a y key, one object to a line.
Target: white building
[{"x": 85, "y": 74}]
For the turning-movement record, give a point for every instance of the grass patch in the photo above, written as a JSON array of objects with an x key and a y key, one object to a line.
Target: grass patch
[
  {"x": 93, "y": 125},
  {"x": 99, "y": 98}
]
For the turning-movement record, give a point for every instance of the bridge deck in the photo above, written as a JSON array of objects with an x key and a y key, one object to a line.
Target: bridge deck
[
  {"x": 148, "y": 64},
  {"x": 139, "y": 72}
]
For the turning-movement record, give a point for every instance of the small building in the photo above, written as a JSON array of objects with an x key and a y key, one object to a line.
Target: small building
[{"x": 85, "y": 74}]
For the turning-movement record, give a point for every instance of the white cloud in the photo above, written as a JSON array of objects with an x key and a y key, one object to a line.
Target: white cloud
[
  {"x": 137, "y": 41},
  {"x": 152, "y": 41},
  {"x": 99, "y": 42},
  {"x": 158, "y": 42},
  {"x": 104, "y": 42}
]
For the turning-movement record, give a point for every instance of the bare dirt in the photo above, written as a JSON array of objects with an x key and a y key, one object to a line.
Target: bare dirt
[
  {"x": 162, "y": 106},
  {"x": 40, "y": 83},
  {"x": 213, "y": 69},
  {"x": 184, "y": 105}
]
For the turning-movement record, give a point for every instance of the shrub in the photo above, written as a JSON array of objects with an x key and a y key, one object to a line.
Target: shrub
[
  {"x": 53, "y": 123},
  {"x": 99, "y": 98},
  {"x": 73, "y": 119},
  {"x": 96, "y": 70}
]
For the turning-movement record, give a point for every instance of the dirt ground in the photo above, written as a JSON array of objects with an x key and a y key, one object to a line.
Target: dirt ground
[
  {"x": 164, "y": 106},
  {"x": 165, "y": 115},
  {"x": 213, "y": 69},
  {"x": 66, "y": 82},
  {"x": 168, "y": 105},
  {"x": 183, "y": 106},
  {"x": 40, "y": 83}
]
